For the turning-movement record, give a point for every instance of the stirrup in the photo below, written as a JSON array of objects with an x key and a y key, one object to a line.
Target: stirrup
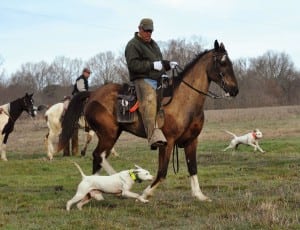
[{"x": 157, "y": 139}]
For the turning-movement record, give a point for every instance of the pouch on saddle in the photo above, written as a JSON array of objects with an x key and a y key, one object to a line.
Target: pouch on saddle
[
  {"x": 125, "y": 104},
  {"x": 127, "y": 101}
]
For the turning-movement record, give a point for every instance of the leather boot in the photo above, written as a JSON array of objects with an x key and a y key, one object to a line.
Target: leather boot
[
  {"x": 148, "y": 109},
  {"x": 157, "y": 139}
]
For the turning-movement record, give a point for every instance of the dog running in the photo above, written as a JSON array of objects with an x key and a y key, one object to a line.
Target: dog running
[
  {"x": 247, "y": 139},
  {"x": 119, "y": 184}
]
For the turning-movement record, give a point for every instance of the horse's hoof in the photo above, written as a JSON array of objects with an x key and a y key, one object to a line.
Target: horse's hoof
[{"x": 203, "y": 198}]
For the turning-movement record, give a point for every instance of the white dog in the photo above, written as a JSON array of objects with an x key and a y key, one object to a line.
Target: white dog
[
  {"x": 247, "y": 139},
  {"x": 119, "y": 183}
]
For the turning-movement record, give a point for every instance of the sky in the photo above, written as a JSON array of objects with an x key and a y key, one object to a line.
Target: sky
[{"x": 35, "y": 30}]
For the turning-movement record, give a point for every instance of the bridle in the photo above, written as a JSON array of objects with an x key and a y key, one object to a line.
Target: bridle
[
  {"x": 220, "y": 74},
  {"x": 216, "y": 62},
  {"x": 28, "y": 107}
]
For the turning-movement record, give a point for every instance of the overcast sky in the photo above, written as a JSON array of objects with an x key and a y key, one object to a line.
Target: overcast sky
[{"x": 36, "y": 30}]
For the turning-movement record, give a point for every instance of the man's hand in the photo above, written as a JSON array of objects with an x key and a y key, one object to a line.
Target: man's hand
[
  {"x": 157, "y": 65},
  {"x": 173, "y": 64}
]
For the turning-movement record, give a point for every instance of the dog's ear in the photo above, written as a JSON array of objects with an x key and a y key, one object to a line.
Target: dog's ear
[{"x": 138, "y": 167}]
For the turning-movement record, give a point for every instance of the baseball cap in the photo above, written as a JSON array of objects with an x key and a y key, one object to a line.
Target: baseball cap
[
  {"x": 87, "y": 70},
  {"x": 146, "y": 24}
]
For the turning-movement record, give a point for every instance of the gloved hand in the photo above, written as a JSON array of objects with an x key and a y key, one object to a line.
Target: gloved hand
[
  {"x": 173, "y": 64},
  {"x": 157, "y": 65}
]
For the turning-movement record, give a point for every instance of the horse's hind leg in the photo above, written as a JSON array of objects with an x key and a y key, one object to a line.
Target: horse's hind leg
[
  {"x": 106, "y": 128},
  {"x": 88, "y": 138},
  {"x": 66, "y": 151},
  {"x": 74, "y": 141},
  {"x": 99, "y": 160},
  {"x": 190, "y": 156}
]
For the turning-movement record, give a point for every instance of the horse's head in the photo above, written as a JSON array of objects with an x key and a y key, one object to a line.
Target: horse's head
[
  {"x": 28, "y": 106},
  {"x": 221, "y": 70}
]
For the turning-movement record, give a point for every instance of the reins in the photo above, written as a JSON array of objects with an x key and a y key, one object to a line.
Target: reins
[{"x": 208, "y": 94}]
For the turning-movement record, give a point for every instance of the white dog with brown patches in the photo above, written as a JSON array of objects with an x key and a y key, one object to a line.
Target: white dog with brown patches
[
  {"x": 247, "y": 139},
  {"x": 119, "y": 183}
]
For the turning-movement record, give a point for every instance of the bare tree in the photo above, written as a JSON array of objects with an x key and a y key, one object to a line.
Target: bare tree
[
  {"x": 266, "y": 80},
  {"x": 275, "y": 67},
  {"x": 2, "y": 72},
  {"x": 181, "y": 50},
  {"x": 104, "y": 68},
  {"x": 240, "y": 67},
  {"x": 64, "y": 70},
  {"x": 121, "y": 69}
]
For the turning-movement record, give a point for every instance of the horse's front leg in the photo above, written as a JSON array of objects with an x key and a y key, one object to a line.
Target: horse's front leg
[
  {"x": 190, "y": 156},
  {"x": 3, "y": 152},
  {"x": 49, "y": 141},
  {"x": 3, "y": 147},
  {"x": 163, "y": 162}
]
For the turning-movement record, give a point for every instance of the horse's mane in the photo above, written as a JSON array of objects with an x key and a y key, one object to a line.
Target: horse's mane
[{"x": 188, "y": 67}]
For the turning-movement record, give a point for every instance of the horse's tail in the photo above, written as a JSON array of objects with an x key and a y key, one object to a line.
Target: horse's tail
[{"x": 71, "y": 117}]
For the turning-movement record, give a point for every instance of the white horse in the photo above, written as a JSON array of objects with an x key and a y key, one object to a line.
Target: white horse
[{"x": 53, "y": 117}]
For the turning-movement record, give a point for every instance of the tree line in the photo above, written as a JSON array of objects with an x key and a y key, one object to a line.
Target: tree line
[{"x": 267, "y": 80}]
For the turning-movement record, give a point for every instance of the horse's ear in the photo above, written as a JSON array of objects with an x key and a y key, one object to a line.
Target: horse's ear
[
  {"x": 216, "y": 45},
  {"x": 222, "y": 47}
]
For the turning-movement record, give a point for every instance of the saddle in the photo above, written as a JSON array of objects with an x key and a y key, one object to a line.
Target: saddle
[{"x": 127, "y": 103}]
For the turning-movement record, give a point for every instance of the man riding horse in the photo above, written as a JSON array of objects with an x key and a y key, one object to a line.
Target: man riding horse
[
  {"x": 81, "y": 85},
  {"x": 146, "y": 67}
]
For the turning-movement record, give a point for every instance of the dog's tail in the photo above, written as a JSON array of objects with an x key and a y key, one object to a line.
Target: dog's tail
[
  {"x": 80, "y": 170},
  {"x": 232, "y": 134}
]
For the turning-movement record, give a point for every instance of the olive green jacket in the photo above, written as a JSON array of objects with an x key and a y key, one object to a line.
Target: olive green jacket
[{"x": 140, "y": 56}]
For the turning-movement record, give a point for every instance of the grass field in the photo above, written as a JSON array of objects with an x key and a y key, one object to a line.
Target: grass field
[{"x": 248, "y": 190}]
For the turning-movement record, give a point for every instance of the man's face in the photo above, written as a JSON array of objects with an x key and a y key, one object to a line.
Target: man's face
[
  {"x": 86, "y": 74},
  {"x": 145, "y": 34}
]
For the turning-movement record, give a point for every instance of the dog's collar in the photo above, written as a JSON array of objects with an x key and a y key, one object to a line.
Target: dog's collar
[
  {"x": 134, "y": 176},
  {"x": 254, "y": 135}
]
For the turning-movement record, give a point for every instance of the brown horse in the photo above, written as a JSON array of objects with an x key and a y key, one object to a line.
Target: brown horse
[{"x": 184, "y": 116}]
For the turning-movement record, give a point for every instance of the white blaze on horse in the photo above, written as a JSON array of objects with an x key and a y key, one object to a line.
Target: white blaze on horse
[
  {"x": 53, "y": 117},
  {"x": 9, "y": 113}
]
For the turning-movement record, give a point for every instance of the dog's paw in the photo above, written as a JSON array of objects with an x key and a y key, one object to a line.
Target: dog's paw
[{"x": 140, "y": 198}]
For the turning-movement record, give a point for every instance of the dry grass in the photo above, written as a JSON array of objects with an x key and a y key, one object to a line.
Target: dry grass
[{"x": 274, "y": 122}]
